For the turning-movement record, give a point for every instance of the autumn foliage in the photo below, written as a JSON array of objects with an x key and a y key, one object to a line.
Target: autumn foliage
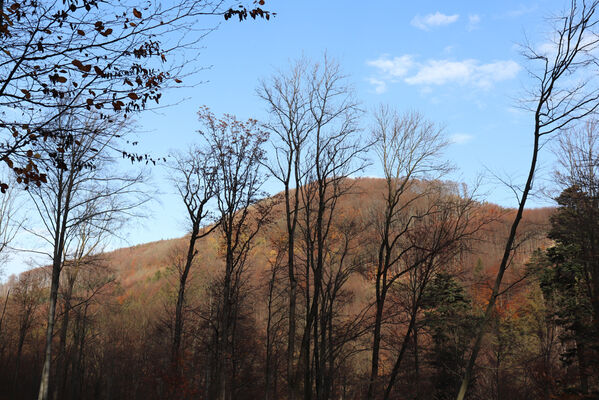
[{"x": 121, "y": 315}]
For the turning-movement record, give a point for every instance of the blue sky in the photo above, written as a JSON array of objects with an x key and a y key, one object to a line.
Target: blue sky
[{"x": 456, "y": 62}]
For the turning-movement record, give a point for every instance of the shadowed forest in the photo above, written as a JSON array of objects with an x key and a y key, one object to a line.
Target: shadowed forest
[{"x": 300, "y": 277}]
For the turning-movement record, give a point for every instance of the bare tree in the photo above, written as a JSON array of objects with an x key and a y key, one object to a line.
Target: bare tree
[
  {"x": 313, "y": 118},
  {"x": 195, "y": 179},
  {"x": 430, "y": 247},
  {"x": 79, "y": 264},
  {"x": 578, "y": 158},
  {"x": 83, "y": 191},
  {"x": 565, "y": 91},
  {"x": 335, "y": 152},
  {"x": 236, "y": 149},
  {"x": 409, "y": 148},
  {"x": 287, "y": 99},
  {"x": 276, "y": 315}
]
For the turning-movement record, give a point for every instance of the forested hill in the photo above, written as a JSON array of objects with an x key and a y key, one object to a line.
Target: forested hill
[
  {"x": 116, "y": 310},
  {"x": 144, "y": 266}
]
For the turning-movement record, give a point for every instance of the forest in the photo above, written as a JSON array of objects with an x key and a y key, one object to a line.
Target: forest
[{"x": 300, "y": 276}]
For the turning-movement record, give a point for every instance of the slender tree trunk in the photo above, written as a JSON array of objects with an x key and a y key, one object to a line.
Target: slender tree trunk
[
  {"x": 305, "y": 366},
  {"x": 291, "y": 224},
  {"x": 329, "y": 378},
  {"x": 22, "y": 333},
  {"x": 79, "y": 342},
  {"x": 402, "y": 351},
  {"x": 223, "y": 343},
  {"x": 45, "y": 379},
  {"x": 416, "y": 364},
  {"x": 267, "y": 372},
  {"x": 376, "y": 343},
  {"x": 63, "y": 369},
  {"x": 175, "y": 352},
  {"x": 502, "y": 267}
]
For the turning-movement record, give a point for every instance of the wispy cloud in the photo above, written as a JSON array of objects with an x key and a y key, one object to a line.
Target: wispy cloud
[
  {"x": 448, "y": 49},
  {"x": 396, "y": 67},
  {"x": 436, "y": 72},
  {"x": 380, "y": 86},
  {"x": 460, "y": 138},
  {"x": 441, "y": 72},
  {"x": 433, "y": 20},
  {"x": 520, "y": 11},
  {"x": 550, "y": 47},
  {"x": 473, "y": 22}
]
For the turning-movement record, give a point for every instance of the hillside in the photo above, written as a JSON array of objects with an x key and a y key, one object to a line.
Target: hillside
[
  {"x": 123, "y": 322},
  {"x": 138, "y": 266}
]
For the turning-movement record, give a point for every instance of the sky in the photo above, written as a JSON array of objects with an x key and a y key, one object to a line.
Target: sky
[{"x": 458, "y": 63}]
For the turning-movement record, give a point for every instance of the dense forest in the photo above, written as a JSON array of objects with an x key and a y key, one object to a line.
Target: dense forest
[{"x": 331, "y": 285}]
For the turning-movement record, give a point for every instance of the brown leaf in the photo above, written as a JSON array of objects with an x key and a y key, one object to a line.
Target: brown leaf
[
  {"x": 80, "y": 32},
  {"x": 61, "y": 79},
  {"x": 26, "y": 93},
  {"x": 136, "y": 13},
  {"x": 133, "y": 96}
]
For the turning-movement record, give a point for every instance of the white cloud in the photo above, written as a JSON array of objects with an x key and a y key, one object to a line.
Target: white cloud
[
  {"x": 436, "y": 72},
  {"x": 433, "y": 20},
  {"x": 441, "y": 72},
  {"x": 473, "y": 22},
  {"x": 486, "y": 74},
  {"x": 380, "y": 86},
  {"x": 460, "y": 138},
  {"x": 393, "y": 67}
]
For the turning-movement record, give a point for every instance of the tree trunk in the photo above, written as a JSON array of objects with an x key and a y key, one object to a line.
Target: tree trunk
[
  {"x": 61, "y": 380},
  {"x": 45, "y": 379},
  {"x": 291, "y": 224},
  {"x": 502, "y": 267},
  {"x": 402, "y": 351},
  {"x": 416, "y": 364},
  {"x": 376, "y": 343},
  {"x": 22, "y": 333},
  {"x": 175, "y": 353}
]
